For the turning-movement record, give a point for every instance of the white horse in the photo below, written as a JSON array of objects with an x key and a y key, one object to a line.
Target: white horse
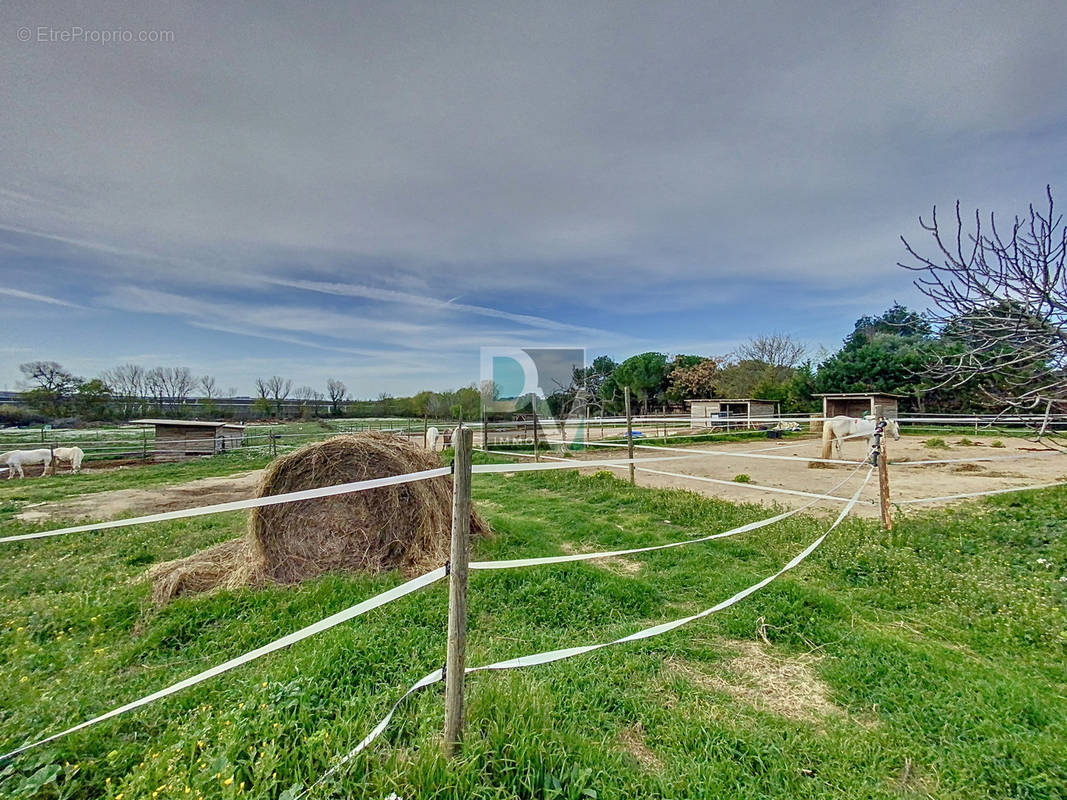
[
  {"x": 432, "y": 434},
  {"x": 836, "y": 429},
  {"x": 72, "y": 454},
  {"x": 17, "y": 459}
]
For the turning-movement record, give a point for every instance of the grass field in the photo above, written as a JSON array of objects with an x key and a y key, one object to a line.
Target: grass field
[{"x": 928, "y": 663}]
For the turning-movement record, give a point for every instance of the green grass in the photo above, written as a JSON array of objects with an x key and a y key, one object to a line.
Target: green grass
[
  {"x": 936, "y": 444},
  {"x": 16, "y": 494},
  {"x": 942, "y": 646}
]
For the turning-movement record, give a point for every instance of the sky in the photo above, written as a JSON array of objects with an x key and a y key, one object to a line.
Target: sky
[{"x": 374, "y": 191}]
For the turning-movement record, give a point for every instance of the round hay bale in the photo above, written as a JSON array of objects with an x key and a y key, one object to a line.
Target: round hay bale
[{"x": 405, "y": 527}]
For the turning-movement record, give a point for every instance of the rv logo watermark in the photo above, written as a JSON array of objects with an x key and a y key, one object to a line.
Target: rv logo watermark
[{"x": 526, "y": 386}]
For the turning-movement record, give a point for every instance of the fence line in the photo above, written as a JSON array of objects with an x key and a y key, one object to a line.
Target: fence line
[
  {"x": 550, "y": 656},
  {"x": 376, "y": 602},
  {"x": 981, "y": 494},
  {"x": 307, "y": 494},
  {"x": 721, "y": 453},
  {"x": 435, "y": 575},
  {"x": 336, "y": 619}
]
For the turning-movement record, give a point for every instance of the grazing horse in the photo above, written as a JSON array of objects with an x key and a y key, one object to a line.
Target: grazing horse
[
  {"x": 17, "y": 459},
  {"x": 72, "y": 454},
  {"x": 836, "y": 429}
]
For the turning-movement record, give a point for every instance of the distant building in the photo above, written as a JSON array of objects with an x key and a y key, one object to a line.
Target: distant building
[
  {"x": 177, "y": 439},
  {"x": 859, "y": 404},
  {"x": 733, "y": 412}
]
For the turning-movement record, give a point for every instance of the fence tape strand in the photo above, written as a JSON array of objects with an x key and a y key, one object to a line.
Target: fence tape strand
[
  {"x": 569, "y": 652},
  {"x": 324, "y": 624}
]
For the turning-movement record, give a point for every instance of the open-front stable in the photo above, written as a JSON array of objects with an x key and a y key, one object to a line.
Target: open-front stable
[
  {"x": 178, "y": 439},
  {"x": 859, "y": 404},
  {"x": 731, "y": 412}
]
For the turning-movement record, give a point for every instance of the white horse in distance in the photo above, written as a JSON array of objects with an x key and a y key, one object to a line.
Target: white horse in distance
[
  {"x": 836, "y": 429},
  {"x": 433, "y": 436},
  {"x": 17, "y": 459},
  {"x": 73, "y": 455}
]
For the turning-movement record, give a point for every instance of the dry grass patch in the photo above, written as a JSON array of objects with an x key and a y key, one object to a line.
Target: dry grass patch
[
  {"x": 617, "y": 564},
  {"x": 632, "y": 741},
  {"x": 784, "y": 685}
]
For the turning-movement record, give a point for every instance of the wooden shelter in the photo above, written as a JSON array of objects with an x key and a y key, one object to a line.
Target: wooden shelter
[
  {"x": 859, "y": 404},
  {"x": 177, "y": 439},
  {"x": 732, "y": 412}
]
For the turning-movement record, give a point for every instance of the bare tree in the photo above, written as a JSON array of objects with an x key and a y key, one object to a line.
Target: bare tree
[
  {"x": 174, "y": 385},
  {"x": 276, "y": 389},
  {"x": 156, "y": 386},
  {"x": 1001, "y": 299},
  {"x": 779, "y": 350},
  {"x": 127, "y": 382},
  {"x": 209, "y": 387},
  {"x": 338, "y": 394},
  {"x": 310, "y": 399}
]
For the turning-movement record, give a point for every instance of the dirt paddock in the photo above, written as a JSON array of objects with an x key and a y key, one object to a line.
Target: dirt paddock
[{"x": 1037, "y": 465}]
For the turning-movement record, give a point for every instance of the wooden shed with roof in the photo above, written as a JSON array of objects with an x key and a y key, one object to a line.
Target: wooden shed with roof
[
  {"x": 859, "y": 404},
  {"x": 178, "y": 439},
  {"x": 730, "y": 412}
]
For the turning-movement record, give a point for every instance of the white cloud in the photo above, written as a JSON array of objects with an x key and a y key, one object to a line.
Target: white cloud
[{"x": 37, "y": 298}]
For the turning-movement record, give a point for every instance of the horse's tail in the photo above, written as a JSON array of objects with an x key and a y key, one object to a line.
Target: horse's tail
[
  {"x": 827, "y": 439},
  {"x": 76, "y": 461}
]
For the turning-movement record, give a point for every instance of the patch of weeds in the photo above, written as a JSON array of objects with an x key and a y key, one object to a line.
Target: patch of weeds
[
  {"x": 965, "y": 442},
  {"x": 742, "y": 478},
  {"x": 936, "y": 444},
  {"x": 996, "y": 443}
]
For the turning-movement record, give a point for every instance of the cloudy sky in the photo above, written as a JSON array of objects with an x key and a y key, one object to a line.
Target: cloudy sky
[{"x": 373, "y": 191}]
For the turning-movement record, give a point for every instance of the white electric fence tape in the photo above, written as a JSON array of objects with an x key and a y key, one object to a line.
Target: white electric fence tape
[
  {"x": 336, "y": 619},
  {"x": 721, "y": 453},
  {"x": 310, "y": 494},
  {"x": 753, "y": 486},
  {"x": 751, "y": 526},
  {"x": 569, "y": 652},
  {"x": 376, "y": 602},
  {"x": 237, "y": 505},
  {"x": 971, "y": 460},
  {"x": 980, "y": 494}
]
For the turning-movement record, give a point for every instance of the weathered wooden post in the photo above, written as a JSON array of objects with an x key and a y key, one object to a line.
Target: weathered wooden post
[
  {"x": 537, "y": 441},
  {"x": 455, "y": 663},
  {"x": 629, "y": 433},
  {"x": 881, "y": 461},
  {"x": 144, "y": 444}
]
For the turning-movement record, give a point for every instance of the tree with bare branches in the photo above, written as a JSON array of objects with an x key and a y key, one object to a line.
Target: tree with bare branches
[
  {"x": 777, "y": 350},
  {"x": 1000, "y": 297},
  {"x": 276, "y": 389},
  {"x": 338, "y": 394}
]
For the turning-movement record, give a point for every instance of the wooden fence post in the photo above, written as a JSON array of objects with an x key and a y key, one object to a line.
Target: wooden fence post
[
  {"x": 629, "y": 433},
  {"x": 882, "y": 459},
  {"x": 462, "y": 441},
  {"x": 537, "y": 441}
]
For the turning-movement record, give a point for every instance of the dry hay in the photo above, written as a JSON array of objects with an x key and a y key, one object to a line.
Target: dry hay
[
  {"x": 785, "y": 686},
  {"x": 406, "y": 526}
]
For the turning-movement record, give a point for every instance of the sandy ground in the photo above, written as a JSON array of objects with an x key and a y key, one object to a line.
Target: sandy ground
[
  {"x": 107, "y": 505},
  {"x": 1036, "y": 466},
  {"x": 1030, "y": 464}
]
